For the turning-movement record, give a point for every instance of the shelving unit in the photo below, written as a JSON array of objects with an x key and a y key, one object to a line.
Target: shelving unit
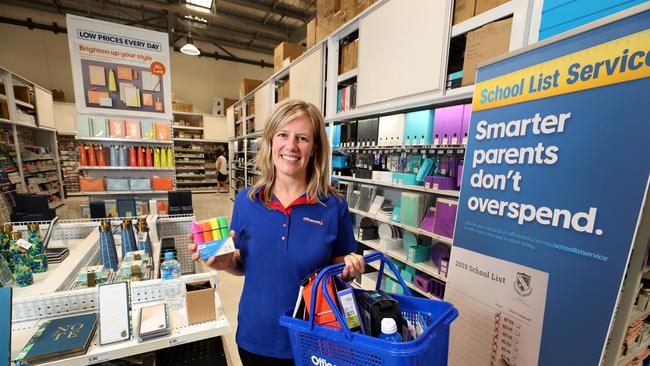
[
  {"x": 29, "y": 140},
  {"x": 199, "y": 157}
]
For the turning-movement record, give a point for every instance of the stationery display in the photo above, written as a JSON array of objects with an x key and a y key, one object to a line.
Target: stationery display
[
  {"x": 154, "y": 322},
  {"x": 115, "y": 320},
  {"x": 138, "y": 156}
]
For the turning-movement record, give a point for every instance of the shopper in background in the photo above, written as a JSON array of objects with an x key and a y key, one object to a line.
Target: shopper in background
[
  {"x": 222, "y": 171},
  {"x": 287, "y": 225}
]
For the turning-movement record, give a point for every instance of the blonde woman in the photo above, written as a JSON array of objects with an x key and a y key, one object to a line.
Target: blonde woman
[{"x": 290, "y": 223}]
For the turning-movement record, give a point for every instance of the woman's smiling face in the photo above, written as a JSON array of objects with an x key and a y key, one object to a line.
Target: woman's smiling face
[{"x": 292, "y": 146}]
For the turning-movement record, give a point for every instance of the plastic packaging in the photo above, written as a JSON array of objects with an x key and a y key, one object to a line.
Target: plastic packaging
[
  {"x": 140, "y": 156},
  {"x": 36, "y": 251},
  {"x": 389, "y": 331},
  {"x": 108, "y": 253},
  {"x": 148, "y": 158},
  {"x": 19, "y": 261},
  {"x": 92, "y": 158},
  {"x": 83, "y": 157},
  {"x": 170, "y": 158},
  {"x": 156, "y": 158},
  {"x": 115, "y": 156},
  {"x": 123, "y": 159},
  {"x": 101, "y": 161},
  {"x": 144, "y": 241},
  {"x": 128, "y": 237},
  {"x": 171, "y": 278},
  {"x": 163, "y": 157},
  {"x": 133, "y": 160}
]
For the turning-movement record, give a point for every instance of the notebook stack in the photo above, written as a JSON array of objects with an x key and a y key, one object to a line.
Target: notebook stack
[{"x": 154, "y": 322}]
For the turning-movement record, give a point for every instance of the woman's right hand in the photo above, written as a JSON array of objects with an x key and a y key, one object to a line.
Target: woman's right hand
[{"x": 223, "y": 262}]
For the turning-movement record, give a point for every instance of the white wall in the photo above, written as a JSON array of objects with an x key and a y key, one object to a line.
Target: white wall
[{"x": 43, "y": 58}]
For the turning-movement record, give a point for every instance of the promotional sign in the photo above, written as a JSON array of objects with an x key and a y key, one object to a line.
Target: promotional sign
[
  {"x": 556, "y": 172},
  {"x": 119, "y": 70}
]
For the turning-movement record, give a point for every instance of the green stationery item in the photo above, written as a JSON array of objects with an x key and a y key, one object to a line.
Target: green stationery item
[
  {"x": 170, "y": 158},
  {"x": 223, "y": 222},
  {"x": 411, "y": 209},
  {"x": 156, "y": 158},
  {"x": 225, "y": 233},
  {"x": 148, "y": 129},
  {"x": 100, "y": 126},
  {"x": 6, "y": 277},
  {"x": 407, "y": 276},
  {"x": 163, "y": 157},
  {"x": 112, "y": 84},
  {"x": 418, "y": 253}
]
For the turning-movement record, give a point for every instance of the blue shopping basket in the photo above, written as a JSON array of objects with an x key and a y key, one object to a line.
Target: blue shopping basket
[{"x": 321, "y": 345}]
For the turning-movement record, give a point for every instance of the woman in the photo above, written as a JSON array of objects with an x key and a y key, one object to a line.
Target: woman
[
  {"x": 222, "y": 171},
  {"x": 287, "y": 225}
]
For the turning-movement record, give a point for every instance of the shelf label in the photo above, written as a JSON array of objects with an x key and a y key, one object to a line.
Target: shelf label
[
  {"x": 177, "y": 341},
  {"x": 100, "y": 357}
]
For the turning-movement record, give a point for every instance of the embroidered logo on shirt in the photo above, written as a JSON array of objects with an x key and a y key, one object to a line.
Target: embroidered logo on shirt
[{"x": 310, "y": 220}]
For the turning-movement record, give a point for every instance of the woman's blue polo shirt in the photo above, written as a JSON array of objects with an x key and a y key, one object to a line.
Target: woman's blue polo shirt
[{"x": 279, "y": 247}]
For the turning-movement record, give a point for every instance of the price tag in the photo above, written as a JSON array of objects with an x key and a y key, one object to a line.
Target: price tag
[
  {"x": 23, "y": 244},
  {"x": 101, "y": 357},
  {"x": 440, "y": 152},
  {"x": 450, "y": 151},
  {"x": 176, "y": 341}
]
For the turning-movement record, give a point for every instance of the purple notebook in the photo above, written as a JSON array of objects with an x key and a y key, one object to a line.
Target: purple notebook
[{"x": 427, "y": 223}]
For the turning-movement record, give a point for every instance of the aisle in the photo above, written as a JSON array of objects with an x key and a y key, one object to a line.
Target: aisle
[{"x": 208, "y": 205}]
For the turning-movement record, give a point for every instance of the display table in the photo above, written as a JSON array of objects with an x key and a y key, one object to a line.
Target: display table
[{"x": 143, "y": 293}]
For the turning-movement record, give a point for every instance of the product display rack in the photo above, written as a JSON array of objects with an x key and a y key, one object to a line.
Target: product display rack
[
  {"x": 120, "y": 172},
  {"x": 195, "y": 163},
  {"x": 27, "y": 119},
  {"x": 33, "y": 304},
  {"x": 242, "y": 170}
]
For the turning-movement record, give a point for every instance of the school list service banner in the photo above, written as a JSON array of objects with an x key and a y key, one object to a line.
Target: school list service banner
[
  {"x": 556, "y": 171},
  {"x": 119, "y": 70}
]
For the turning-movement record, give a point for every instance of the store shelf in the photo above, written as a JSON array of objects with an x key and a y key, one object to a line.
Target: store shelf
[
  {"x": 187, "y": 113},
  {"x": 400, "y": 254},
  {"x": 36, "y": 159},
  {"x": 5, "y": 120},
  {"x": 406, "y": 148},
  {"x": 111, "y": 193},
  {"x": 197, "y": 190},
  {"x": 189, "y": 128},
  {"x": 398, "y": 186},
  {"x": 633, "y": 353},
  {"x": 23, "y": 104},
  {"x": 637, "y": 315},
  {"x": 188, "y": 151},
  {"x": 190, "y": 168},
  {"x": 250, "y": 117},
  {"x": 190, "y": 161},
  {"x": 248, "y": 136},
  {"x": 482, "y": 19},
  {"x": 390, "y": 274},
  {"x": 124, "y": 168},
  {"x": 211, "y": 182},
  {"x": 348, "y": 75},
  {"x": 197, "y": 155},
  {"x": 111, "y": 139},
  {"x": 200, "y": 141},
  {"x": 412, "y": 229},
  {"x": 42, "y": 181}
]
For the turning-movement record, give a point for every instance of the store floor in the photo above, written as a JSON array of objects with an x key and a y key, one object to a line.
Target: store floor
[{"x": 205, "y": 205}]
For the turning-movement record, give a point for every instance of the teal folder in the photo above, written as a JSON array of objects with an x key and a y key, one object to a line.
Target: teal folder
[
  {"x": 82, "y": 125},
  {"x": 58, "y": 339},
  {"x": 100, "y": 127},
  {"x": 411, "y": 209}
]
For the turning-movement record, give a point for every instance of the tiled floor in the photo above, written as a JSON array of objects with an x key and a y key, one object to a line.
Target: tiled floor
[{"x": 206, "y": 205}]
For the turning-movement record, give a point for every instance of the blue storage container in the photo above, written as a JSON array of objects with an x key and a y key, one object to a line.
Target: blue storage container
[{"x": 418, "y": 127}]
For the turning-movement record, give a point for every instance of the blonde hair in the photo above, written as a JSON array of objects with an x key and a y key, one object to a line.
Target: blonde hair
[{"x": 318, "y": 167}]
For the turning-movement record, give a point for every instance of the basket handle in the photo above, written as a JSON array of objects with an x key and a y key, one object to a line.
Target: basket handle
[{"x": 330, "y": 271}]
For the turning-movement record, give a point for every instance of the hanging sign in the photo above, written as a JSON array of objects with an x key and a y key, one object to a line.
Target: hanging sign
[
  {"x": 119, "y": 70},
  {"x": 555, "y": 176}
]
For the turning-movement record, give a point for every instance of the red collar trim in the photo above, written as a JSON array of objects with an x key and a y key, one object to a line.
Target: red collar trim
[{"x": 277, "y": 205}]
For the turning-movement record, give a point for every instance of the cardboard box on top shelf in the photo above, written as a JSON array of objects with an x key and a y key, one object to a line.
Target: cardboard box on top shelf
[
  {"x": 57, "y": 95},
  {"x": 320, "y": 30},
  {"x": 349, "y": 53},
  {"x": 333, "y": 22},
  {"x": 283, "y": 51},
  {"x": 326, "y": 7},
  {"x": 484, "y": 5},
  {"x": 487, "y": 42},
  {"x": 173, "y": 96},
  {"x": 347, "y": 4},
  {"x": 311, "y": 33},
  {"x": 463, "y": 10},
  {"x": 250, "y": 108},
  {"x": 357, "y": 9},
  {"x": 247, "y": 86},
  {"x": 22, "y": 93}
]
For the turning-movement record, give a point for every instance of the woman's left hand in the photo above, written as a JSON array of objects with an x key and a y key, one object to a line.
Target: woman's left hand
[{"x": 354, "y": 266}]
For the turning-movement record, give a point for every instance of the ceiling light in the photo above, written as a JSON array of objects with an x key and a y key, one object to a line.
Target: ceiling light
[
  {"x": 196, "y": 19},
  {"x": 207, "y": 4},
  {"x": 190, "y": 48}
]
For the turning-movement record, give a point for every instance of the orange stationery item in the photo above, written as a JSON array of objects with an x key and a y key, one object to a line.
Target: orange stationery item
[
  {"x": 116, "y": 128},
  {"x": 83, "y": 157},
  {"x": 207, "y": 231},
  {"x": 132, "y": 127},
  {"x": 133, "y": 161},
  {"x": 147, "y": 99},
  {"x": 96, "y": 75},
  {"x": 148, "y": 160},
  {"x": 124, "y": 73},
  {"x": 162, "y": 131},
  {"x": 94, "y": 95},
  {"x": 140, "y": 156},
  {"x": 92, "y": 159},
  {"x": 91, "y": 184},
  {"x": 101, "y": 161},
  {"x": 162, "y": 184},
  {"x": 324, "y": 314}
]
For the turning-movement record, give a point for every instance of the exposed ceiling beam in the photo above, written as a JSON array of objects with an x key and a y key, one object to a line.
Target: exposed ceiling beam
[
  {"x": 260, "y": 63},
  {"x": 147, "y": 20},
  {"x": 302, "y": 16},
  {"x": 218, "y": 18},
  {"x": 264, "y": 21}
]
